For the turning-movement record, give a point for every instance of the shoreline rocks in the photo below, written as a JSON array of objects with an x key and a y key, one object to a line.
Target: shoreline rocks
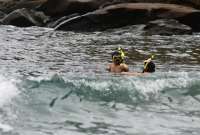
[
  {"x": 2, "y": 14},
  {"x": 25, "y": 18},
  {"x": 166, "y": 27},
  {"x": 99, "y": 15},
  {"x": 66, "y": 7},
  {"x": 120, "y": 15},
  {"x": 8, "y": 6}
]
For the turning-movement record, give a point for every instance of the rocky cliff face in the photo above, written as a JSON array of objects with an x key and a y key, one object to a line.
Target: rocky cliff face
[
  {"x": 59, "y": 6},
  {"x": 93, "y": 15},
  {"x": 120, "y": 15},
  {"x": 8, "y": 6},
  {"x": 66, "y": 7}
]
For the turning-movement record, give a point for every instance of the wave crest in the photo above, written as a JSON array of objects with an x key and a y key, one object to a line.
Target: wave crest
[{"x": 120, "y": 88}]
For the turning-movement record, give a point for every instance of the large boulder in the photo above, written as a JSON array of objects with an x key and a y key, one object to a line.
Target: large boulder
[
  {"x": 192, "y": 20},
  {"x": 66, "y": 7},
  {"x": 2, "y": 14},
  {"x": 166, "y": 27},
  {"x": 8, "y": 6},
  {"x": 25, "y": 18},
  {"x": 119, "y": 15},
  {"x": 54, "y": 22},
  {"x": 191, "y": 3}
]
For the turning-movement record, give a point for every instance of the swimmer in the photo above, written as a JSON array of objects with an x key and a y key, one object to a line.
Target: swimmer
[
  {"x": 149, "y": 67},
  {"x": 118, "y": 65}
]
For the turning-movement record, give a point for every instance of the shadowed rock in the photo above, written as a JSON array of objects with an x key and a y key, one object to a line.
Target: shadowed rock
[
  {"x": 191, "y": 3},
  {"x": 166, "y": 27},
  {"x": 192, "y": 20},
  {"x": 53, "y": 23},
  {"x": 8, "y": 6},
  {"x": 2, "y": 14},
  {"x": 66, "y": 7},
  {"x": 103, "y": 14},
  {"x": 120, "y": 15},
  {"x": 25, "y": 18}
]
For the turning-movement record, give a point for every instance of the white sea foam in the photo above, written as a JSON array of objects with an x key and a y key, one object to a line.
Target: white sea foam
[
  {"x": 5, "y": 128},
  {"x": 8, "y": 90},
  {"x": 170, "y": 81},
  {"x": 146, "y": 84}
]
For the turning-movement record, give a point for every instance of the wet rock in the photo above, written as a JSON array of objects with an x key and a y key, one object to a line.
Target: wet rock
[
  {"x": 8, "y": 6},
  {"x": 120, "y": 15},
  {"x": 54, "y": 22},
  {"x": 192, "y": 20},
  {"x": 190, "y": 3},
  {"x": 166, "y": 27},
  {"x": 25, "y": 18},
  {"x": 2, "y": 14},
  {"x": 66, "y": 7}
]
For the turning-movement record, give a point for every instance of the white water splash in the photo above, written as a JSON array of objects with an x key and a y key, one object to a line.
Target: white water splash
[
  {"x": 8, "y": 90},
  {"x": 5, "y": 128},
  {"x": 166, "y": 81}
]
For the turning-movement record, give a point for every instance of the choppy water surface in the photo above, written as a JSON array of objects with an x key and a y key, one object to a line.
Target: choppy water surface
[{"x": 55, "y": 83}]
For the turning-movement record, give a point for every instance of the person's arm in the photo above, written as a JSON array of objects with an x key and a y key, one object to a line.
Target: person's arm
[
  {"x": 108, "y": 68},
  {"x": 125, "y": 68},
  {"x": 132, "y": 73}
]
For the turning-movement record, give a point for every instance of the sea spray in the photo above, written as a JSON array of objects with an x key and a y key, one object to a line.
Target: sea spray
[{"x": 8, "y": 90}]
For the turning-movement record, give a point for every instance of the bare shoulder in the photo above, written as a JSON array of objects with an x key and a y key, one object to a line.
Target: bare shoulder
[
  {"x": 108, "y": 68},
  {"x": 124, "y": 67}
]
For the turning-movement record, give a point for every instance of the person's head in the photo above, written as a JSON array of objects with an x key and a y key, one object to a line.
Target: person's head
[
  {"x": 117, "y": 58},
  {"x": 149, "y": 67}
]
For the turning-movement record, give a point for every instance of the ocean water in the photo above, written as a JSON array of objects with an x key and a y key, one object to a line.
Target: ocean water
[{"x": 55, "y": 83}]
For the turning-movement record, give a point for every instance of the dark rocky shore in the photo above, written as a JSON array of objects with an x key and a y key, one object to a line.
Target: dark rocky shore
[{"x": 162, "y": 17}]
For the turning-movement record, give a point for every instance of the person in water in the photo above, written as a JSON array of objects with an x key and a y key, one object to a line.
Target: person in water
[
  {"x": 118, "y": 65},
  {"x": 149, "y": 67}
]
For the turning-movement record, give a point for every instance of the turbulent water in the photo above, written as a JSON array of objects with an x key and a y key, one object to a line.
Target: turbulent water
[{"x": 55, "y": 83}]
